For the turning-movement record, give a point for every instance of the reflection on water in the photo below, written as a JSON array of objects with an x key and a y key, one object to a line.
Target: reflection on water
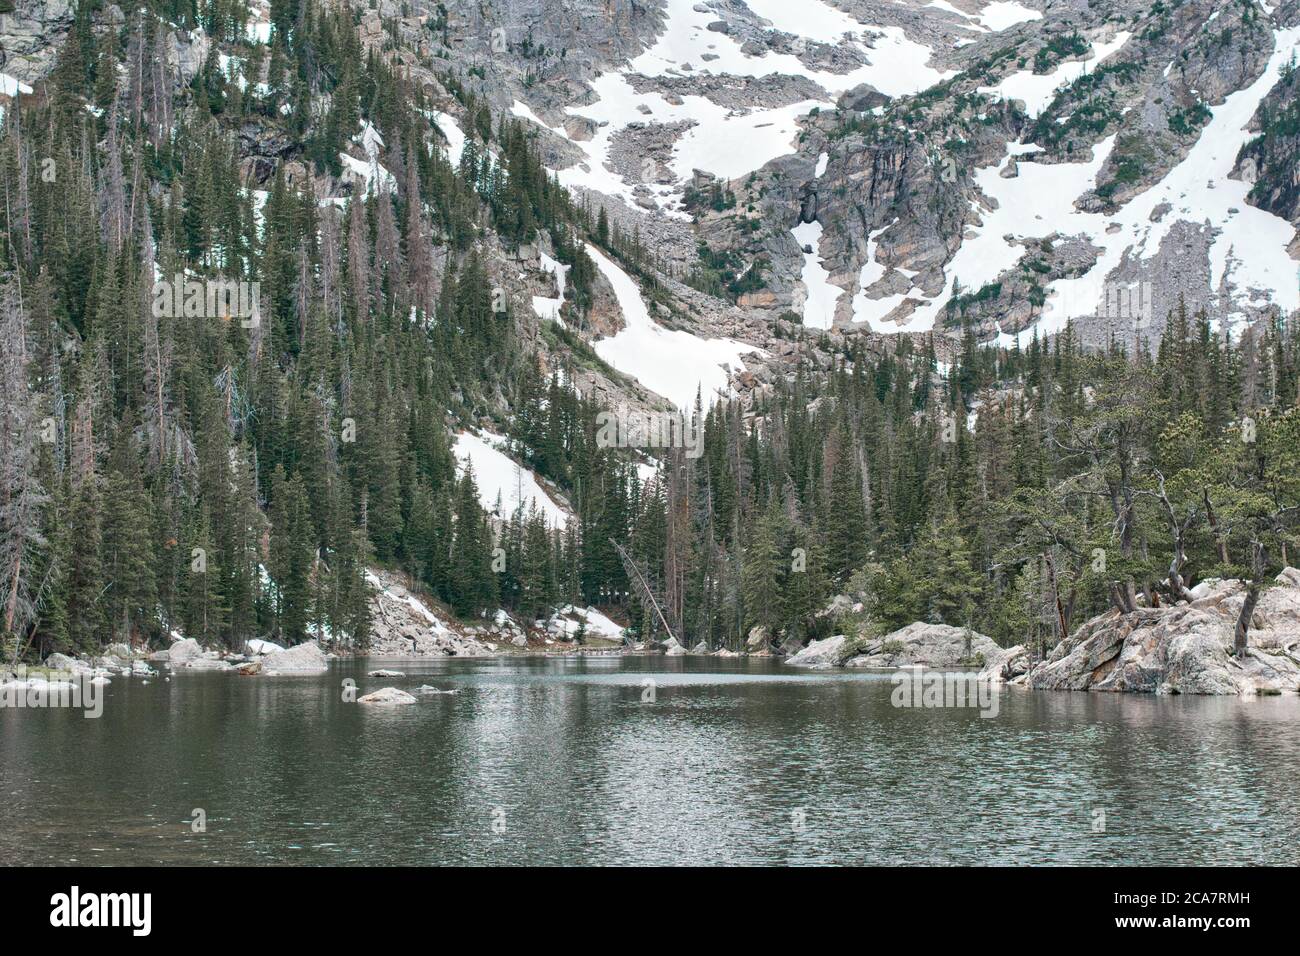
[{"x": 562, "y": 761}]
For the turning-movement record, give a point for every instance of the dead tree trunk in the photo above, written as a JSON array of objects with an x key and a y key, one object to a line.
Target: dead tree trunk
[{"x": 1239, "y": 646}]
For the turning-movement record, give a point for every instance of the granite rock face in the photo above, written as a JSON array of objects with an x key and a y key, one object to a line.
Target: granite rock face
[
  {"x": 1185, "y": 648},
  {"x": 930, "y": 645}
]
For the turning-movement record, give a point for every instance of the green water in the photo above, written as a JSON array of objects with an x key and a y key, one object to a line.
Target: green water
[{"x": 563, "y": 761}]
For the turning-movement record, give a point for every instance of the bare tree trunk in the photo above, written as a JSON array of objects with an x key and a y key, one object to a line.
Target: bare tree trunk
[
  {"x": 1220, "y": 545},
  {"x": 1239, "y": 647},
  {"x": 1056, "y": 596}
]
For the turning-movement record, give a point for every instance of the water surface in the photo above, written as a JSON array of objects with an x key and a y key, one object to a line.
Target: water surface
[{"x": 563, "y": 761}]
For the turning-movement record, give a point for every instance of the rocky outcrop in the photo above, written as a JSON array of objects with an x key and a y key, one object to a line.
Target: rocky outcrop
[
  {"x": 305, "y": 658},
  {"x": 33, "y": 31},
  {"x": 820, "y": 654},
  {"x": 930, "y": 645},
  {"x": 1186, "y": 648},
  {"x": 404, "y": 625},
  {"x": 183, "y": 651}
]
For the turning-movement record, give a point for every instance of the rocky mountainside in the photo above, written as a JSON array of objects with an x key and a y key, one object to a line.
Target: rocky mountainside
[
  {"x": 861, "y": 166},
  {"x": 923, "y": 166}
]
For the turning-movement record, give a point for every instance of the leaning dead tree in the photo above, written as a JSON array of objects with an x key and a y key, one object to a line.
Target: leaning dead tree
[{"x": 642, "y": 585}]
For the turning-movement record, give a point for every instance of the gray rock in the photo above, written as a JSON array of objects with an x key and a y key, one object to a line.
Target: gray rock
[
  {"x": 305, "y": 658},
  {"x": 1185, "y": 648},
  {"x": 1006, "y": 664},
  {"x": 819, "y": 654},
  {"x": 205, "y": 664},
  {"x": 62, "y": 662},
  {"x": 930, "y": 645},
  {"x": 384, "y": 673},
  {"x": 186, "y": 649}
]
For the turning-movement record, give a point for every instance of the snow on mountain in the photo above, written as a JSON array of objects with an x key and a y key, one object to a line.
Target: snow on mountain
[
  {"x": 451, "y": 130},
  {"x": 994, "y": 17},
  {"x": 11, "y": 86},
  {"x": 670, "y": 362},
  {"x": 370, "y": 174},
  {"x": 723, "y": 140},
  {"x": 566, "y": 620},
  {"x": 820, "y": 295},
  {"x": 544, "y": 306},
  {"x": 1248, "y": 248},
  {"x": 503, "y": 483},
  {"x": 1037, "y": 91}
]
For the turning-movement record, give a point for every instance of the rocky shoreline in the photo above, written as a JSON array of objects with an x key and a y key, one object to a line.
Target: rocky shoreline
[{"x": 1184, "y": 648}]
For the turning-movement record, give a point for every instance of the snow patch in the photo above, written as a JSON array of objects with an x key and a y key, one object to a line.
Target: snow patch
[
  {"x": 672, "y": 363},
  {"x": 504, "y": 484},
  {"x": 819, "y": 306}
]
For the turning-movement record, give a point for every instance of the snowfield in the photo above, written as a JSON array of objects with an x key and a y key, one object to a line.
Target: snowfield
[
  {"x": 1037, "y": 92},
  {"x": 503, "y": 484},
  {"x": 726, "y": 142},
  {"x": 821, "y": 295},
  {"x": 544, "y": 306},
  {"x": 671, "y": 363},
  {"x": 1248, "y": 251}
]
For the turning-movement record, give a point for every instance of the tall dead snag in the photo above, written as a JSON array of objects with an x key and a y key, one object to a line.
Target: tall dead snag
[{"x": 642, "y": 585}]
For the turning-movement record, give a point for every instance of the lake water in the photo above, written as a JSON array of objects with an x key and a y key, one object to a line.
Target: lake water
[{"x": 562, "y": 761}]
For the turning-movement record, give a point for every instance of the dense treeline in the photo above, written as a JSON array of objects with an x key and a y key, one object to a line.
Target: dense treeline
[{"x": 230, "y": 476}]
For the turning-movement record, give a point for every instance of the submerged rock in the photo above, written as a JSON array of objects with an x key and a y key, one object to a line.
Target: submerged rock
[
  {"x": 1185, "y": 648},
  {"x": 304, "y": 658},
  {"x": 388, "y": 695},
  {"x": 383, "y": 673}
]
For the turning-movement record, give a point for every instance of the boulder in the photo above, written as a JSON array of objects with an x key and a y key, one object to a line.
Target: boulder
[
  {"x": 383, "y": 673},
  {"x": 1185, "y": 648},
  {"x": 820, "y": 654},
  {"x": 62, "y": 662},
  {"x": 388, "y": 695},
  {"x": 1006, "y": 664},
  {"x": 304, "y": 658},
  {"x": 672, "y": 648},
  {"x": 186, "y": 649},
  {"x": 758, "y": 639},
  {"x": 930, "y": 645},
  {"x": 258, "y": 647}
]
